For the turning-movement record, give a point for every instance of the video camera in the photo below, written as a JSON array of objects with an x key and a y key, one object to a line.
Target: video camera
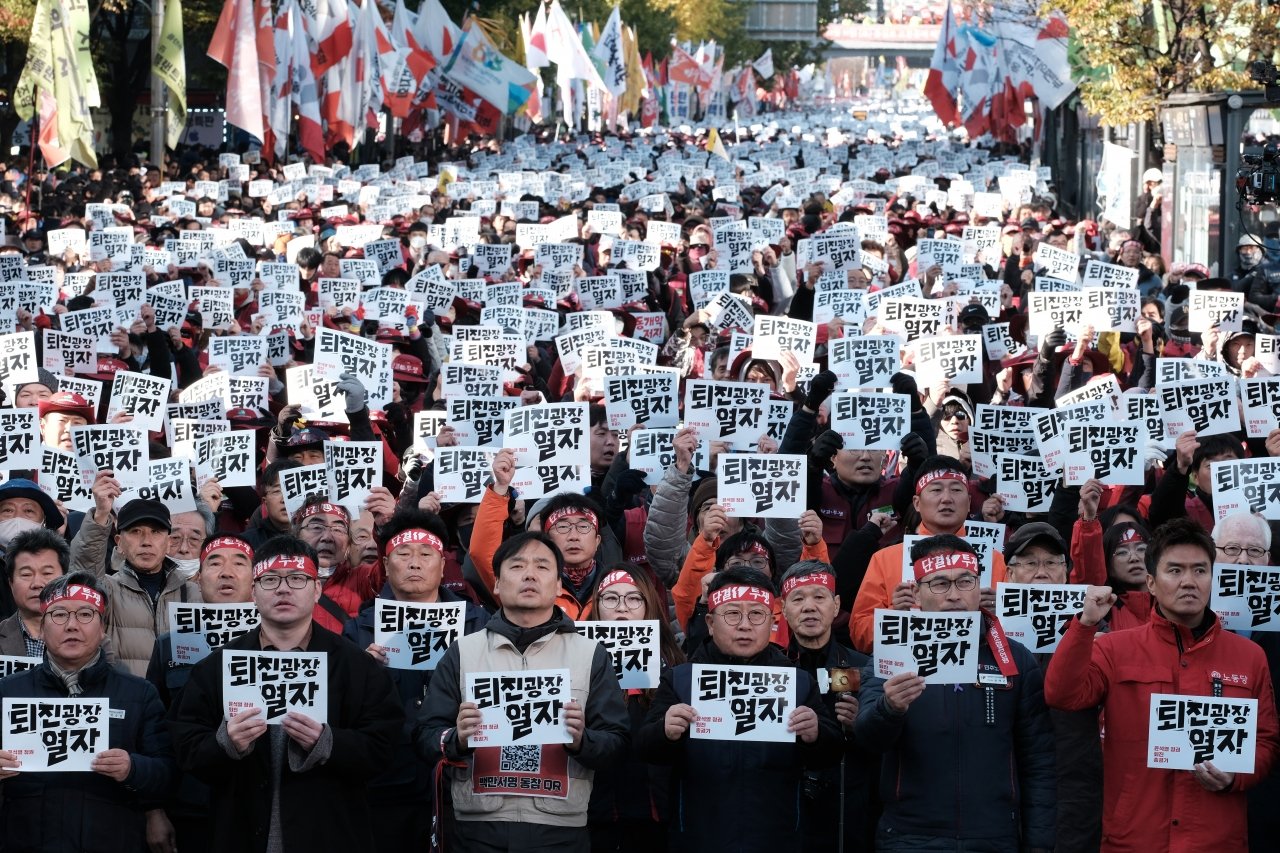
[
  {"x": 1261, "y": 71},
  {"x": 1258, "y": 180}
]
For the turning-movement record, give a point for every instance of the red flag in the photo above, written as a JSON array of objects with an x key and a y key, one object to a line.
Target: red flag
[
  {"x": 243, "y": 44},
  {"x": 944, "y": 72}
]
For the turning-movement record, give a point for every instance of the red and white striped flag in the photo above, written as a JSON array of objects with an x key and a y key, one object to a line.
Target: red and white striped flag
[{"x": 242, "y": 43}]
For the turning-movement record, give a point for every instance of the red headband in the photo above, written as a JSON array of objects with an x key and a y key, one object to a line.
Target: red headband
[
  {"x": 946, "y": 561},
  {"x": 414, "y": 536},
  {"x": 226, "y": 542},
  {"x": 739, "y": 592},
  {"x": 823, "y": 579},
  {"x": 572, "y": 512},
  {"x": 940, "y": 474},
  {"x": 615, "y": 578},
  {"x": 1131, "y": 535},
  {"x": 326, "y": 507},
  {"x": 77, "y": 593},
  {"x": 285, "y": 564}
]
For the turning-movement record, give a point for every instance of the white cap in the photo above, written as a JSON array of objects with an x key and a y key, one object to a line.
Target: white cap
[{"x": 1152, "y": 175}]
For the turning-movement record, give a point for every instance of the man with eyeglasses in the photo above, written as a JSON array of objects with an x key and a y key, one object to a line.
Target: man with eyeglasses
[
  {"x": 267, "y": 780},
  {"x": 1244, "y": 539},
  {"x": 413, "y": 550},
  {"x": 1182, "y": 649},
  {"x": 737, "y": 795},
  {"x": 146, "y": 579},
  {"x": 1036, "y": 554},
  {"x": 545, "y": 809},
  {"x": 966, "y": 766},
  {"x": 942, "y": 501},
  {"x": 109, "y": 808},
  {"x": 837, "y": 801},
  {"x": 326, "y": 527}
]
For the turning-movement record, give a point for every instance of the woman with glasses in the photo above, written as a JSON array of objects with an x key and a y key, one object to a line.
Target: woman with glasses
[
  {"x": 102, "y": 809},
  {"x": 628, "y": 801},
  {"x": 1110, "y": 549},
  {"x": 737, "y": 794}
]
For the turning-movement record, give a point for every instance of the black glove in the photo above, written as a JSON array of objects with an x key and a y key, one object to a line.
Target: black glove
[
  {"x": 820, "y": 388},
  {"x": 905, "y": 383},
  {"x": 915, "y": 449},
  {"x": 1053, "y": 340},
  {"x": 823, "y": 448},
  {"x": 630, "y": 483}
]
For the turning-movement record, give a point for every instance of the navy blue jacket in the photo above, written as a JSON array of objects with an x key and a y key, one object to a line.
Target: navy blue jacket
[
  {"x": 736, "y": 795},
  {"x": 89, "y": 812},
  {"x": 954, "y": 771}
]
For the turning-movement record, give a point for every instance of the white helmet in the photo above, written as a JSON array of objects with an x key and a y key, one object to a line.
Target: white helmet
[{"x": 1152, "y": 176}]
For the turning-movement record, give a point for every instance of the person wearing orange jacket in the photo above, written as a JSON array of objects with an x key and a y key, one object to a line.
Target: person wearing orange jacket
[
  {"x": 1183, "y": 649},
  {"x": 709, "y": 555},
  {"x": 1116, "y": 559},
  {"x": 942, "y": 502}
]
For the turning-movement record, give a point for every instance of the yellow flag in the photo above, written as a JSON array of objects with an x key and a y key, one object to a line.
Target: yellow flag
[
  {"x": 715, "y": 146},
  {"x": 37, "y": 74},
  {"x": 75, "y": 86},
  {"x": 170, "y": 65}
]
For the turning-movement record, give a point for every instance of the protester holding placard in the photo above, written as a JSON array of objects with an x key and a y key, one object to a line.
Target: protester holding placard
[
  {"x": 810, "y": 604},
  {"x": 271, "y": 518},
  {"x": 1182, "y": 650},
  {"x": 1192, "y": 459},
  {"x": 262, "y": 786},
  {"x": 412, "y": 545},
  {"x": 628, "y": 809},
  {"x": 942, "y": 504},
  {"x": 59, "y": 414},
  {"x": 112, "y": 806},
  {"x": 937, "y": 739},
  {"x": 492, "y": 809},
  {"x": 756, "y": 804}
]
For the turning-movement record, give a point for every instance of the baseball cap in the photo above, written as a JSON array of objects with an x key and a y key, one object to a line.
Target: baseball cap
[
  {"x": 69, "y": 403},
  {"x": 20, "y": 487},
  {"x": 1035, "y": 533},
  {"x": 139, "y": 510}
]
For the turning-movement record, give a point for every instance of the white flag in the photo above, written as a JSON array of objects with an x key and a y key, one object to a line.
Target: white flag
[
  {"x": 609, "y": 51},
  {"x": 764, "y": 65}
]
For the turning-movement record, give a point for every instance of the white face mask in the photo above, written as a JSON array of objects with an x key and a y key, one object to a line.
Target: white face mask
[
  {"x": 187, "y": 567},
  {"x": 417, "y": 242}
]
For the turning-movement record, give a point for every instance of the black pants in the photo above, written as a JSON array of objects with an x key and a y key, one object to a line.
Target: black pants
[
  {"x": 473, "y": 836},
  {"x": 635, "y": 836},
  {"x": 400, "y": 825}
]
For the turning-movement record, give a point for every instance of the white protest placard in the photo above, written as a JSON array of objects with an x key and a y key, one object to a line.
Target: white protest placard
[
  {"x": 1246, "y": 485},
  {"x": 353, "y": 468},
  {"x": 56, "y": 735},
  {"x": 986, "y": 444},
  {"x": 519, "y": 707},
  {"x": 141, "y": 395},
  {"x": 1207, "y": 309},
  {"x": 298, "y": 484},
  {"x": 913, "y": 318},
  {"x": 20, "y": 446},
  {"x": 277, "y": 683},
  {"x": 340, "y": 293},
  {"x": 617, "y": 356},
  {"x": 940, "y": 647},
  {"x": 123, "y": 450},
  {"x": 338, "y": 353},
  {"x": 9, "y": 664},
  {"x": 1012, "y": 419},
  {"x": 652, "y": 452},
  {"x": 957, "y": 358},
  {"x": 59, "y": 477},
  {"x": 1100, "y": 274},
  {"x": 999, "y": 341},
  {"x": 1049, "y": 311},
  {"x": 477, "y": 421},
  {"x": 1057, "y": 263},
  {"x": 461, "y": 473},
  {"x": 865, "y": 362},
  {"x": 776, "y": 335},
  {"x": 18, "y": 357},
  {"x": 471, "y": 380},
  {"x": 1260, "y": 397},
  {"x": 195, "y": 630},
  {"x": 871, "y": 421},
  {"x": 558, "y": 257},
  {"x": 848, "y": 305},
  {"x": 1246, "y": 598},
  {"x": 726, "y": 411},
  {"x": 168, "y": 481},
  {"x": 227, "y": 457},
  {"x": 416, "y": 636},
  {"x": 651, "y": 400},
  {"x": 768, "y": 485},
  {"x": 1186, "y": 731},
  {"x": 1023, "y": 483},
  {"x": 1111, "y": 309},
  {"x": 1208, "y": 406},
  {"x": 68, "y": 353},
  {"x": 1110, "y": 453},
  {"x": 633, "y": 646},
  {"x": 742, "y": 703},
  {"x": 1144, "y": 410},
  {"x": 238, "y": 353},
  {"x": 1037, "y": 614}
]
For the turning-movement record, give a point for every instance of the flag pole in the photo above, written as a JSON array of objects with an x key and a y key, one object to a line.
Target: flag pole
[{"x": 159, "y": 94}]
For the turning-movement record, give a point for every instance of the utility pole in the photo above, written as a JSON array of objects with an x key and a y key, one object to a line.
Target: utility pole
[{"x": 159, "y": 92}]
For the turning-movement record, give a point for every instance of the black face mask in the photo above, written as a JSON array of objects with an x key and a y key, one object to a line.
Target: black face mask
[{"x": 464, "y": 535}]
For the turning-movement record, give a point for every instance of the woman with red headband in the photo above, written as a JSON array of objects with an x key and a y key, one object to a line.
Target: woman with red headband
[
  {"x": 412, "y": 546},
  {"x": 628, "y": 801}
]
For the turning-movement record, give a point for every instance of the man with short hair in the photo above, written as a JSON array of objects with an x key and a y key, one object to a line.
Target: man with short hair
[
  {"x": 737, "y": 795},
  {"x": 1183, "y": 650},
  {"x": 35, "y": 559},
  {"x": 942, "y": 501},
  {"x": 344, "y": 585},
  {"x": 966, "y": 766},
  {"x": 272, "y": 518},
  {"x": 529, "y": 632},
  {"x": 266, "y": 789},
  {"x": 146, "y": 579},
  {"x": 836, "y": 803},
  {"x": 109, "y": 808}
]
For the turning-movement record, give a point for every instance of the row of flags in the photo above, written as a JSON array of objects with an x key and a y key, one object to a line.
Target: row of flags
[
  {"x": 323, "y": 70},
  {"x": 981, "y": 77}
]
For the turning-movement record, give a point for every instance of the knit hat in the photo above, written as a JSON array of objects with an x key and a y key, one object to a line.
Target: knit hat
[{"x": 706, "y": 491}]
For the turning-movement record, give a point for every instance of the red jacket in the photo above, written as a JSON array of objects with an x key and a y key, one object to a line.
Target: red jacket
[{"x": 1148, "y": 810}]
